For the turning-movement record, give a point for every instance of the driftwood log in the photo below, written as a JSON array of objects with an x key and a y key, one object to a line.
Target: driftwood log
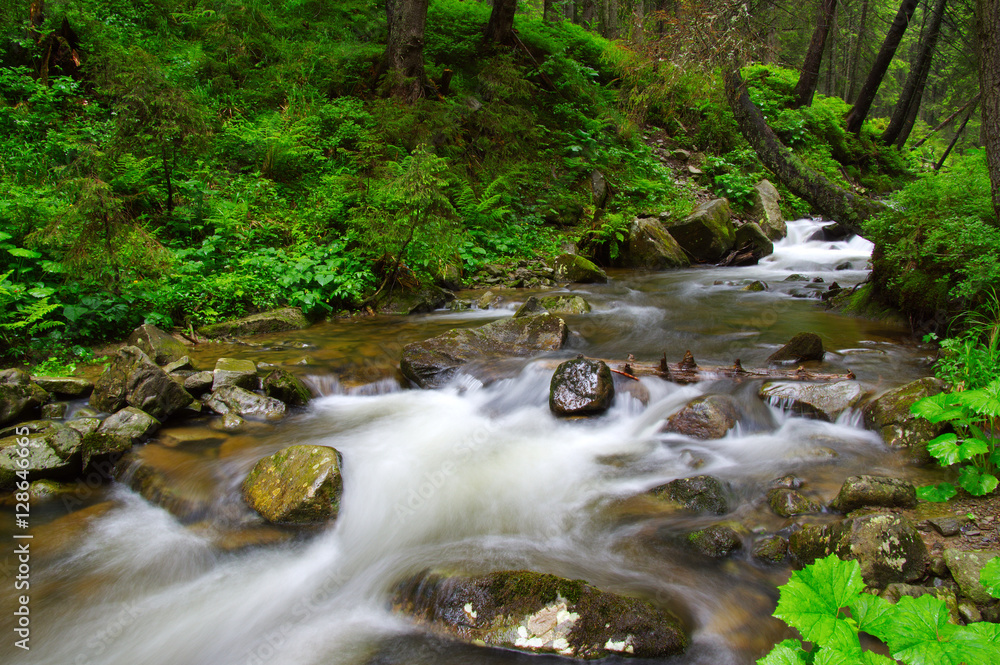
[{"x": 688, "y": 371}]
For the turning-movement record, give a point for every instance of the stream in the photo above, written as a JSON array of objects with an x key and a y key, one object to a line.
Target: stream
[{"x": 471, "y": 477}]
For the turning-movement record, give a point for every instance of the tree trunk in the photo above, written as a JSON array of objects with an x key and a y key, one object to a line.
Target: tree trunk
[
  {"x": 825, "y": 197},
  {"x": 913, "y": 89},
  {"x": 547, "y": 11},
  {"x": 988, "y": 46},
  {"x": 852, "y": 70},
  {"x": 500, "y": 29},
  {"x": 954, "y": 139},
  {"x": 403, "y": 62},
  {"x": 809, "y": 77},
  {"x": 947, "y": 120},
  {"x": 587, "y": 9},
  {"x": 856, "y": 118}
]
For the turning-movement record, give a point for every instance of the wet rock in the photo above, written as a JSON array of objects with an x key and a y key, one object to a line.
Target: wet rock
[
  {"x": 432, "y": 363},
  {"x": 52, "y": 451},
  {"x": 880, "y": 491},
  {"x": 118, "y": 433},
  {"x": 581, "y": 387},
  {"x": 717, "y": 541},
  {"x": 158, "y": 345},
  {"x": 133, "y": 379},
  {"x": 20, "y": 399},
  {"x": 897, "y": 590},
  {"x": 489, "y": 300},
  {"x": 84, "y": 425},
  {"x": 54, "y": 410},
  {"x": 887, "y": 547},
  {"x": 788, "y": 482},
  {"x": 64, "y": 386},
  {"x": 890, "y": 416},
  {"x": 575, "y": 268},
  {"x": 235, "y": 372},
  {"x": 538, "y": 613},
  {"x": 796, "y": 277},
  {"x": 802, "y": 347},
  {"x": 751, "y": 236},
  {"x": 704, "y": 494},
  {"x": 965, "y": 568},
  {"x": 772, "y": 549},
  {"x": 708, "y": 417},
  {"x": 190, "y": 437},
  {"x": 948, "y": 525},
  {"x": 788, "y": 502},
  {"x": 285, "y": 386},
  {"x": 416, "y": 301},
  {"x": 243, "y": 403},
  {"x": 767, "y": 212},
  {"x": 277, "y": 320},
  {"x": 199, "y": 383},
  {"x": 756, "y": 286},
  {"x": 707, "y": 234},
  {"x": 651, "y": 246},
  {"x": 182, "y": 363},
  {"x": 558, "y": 305},
  {"x": 824, "y": 401},
  {"x": 296, "y": 485}
]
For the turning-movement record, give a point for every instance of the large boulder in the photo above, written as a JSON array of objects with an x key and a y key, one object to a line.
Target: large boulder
[
  {"x": 235, "y": 372},
  {"x": 707, "y": 234},
  {"x": 823, "y": 401},
  {"x": 708, "y": 417},
  {"x": 539, "y": 613},
  {"x": 118, "y": 433},
  {"x": 887, "y": 547},
  {"x": 133, "y": 379},
  {"x": 276, "y": 320},
  {"x": 965, "y": 567},
  {"x": 245, "y": 404},
  {"x": 559, "y": 305},
  {"x": 581, "y": 387},
  {"x": 750, "y": 237},
  {"x": 432, "y": 363},
  {"x": 285, "y": 386},
  {"x": 651, "y": 246},
  {"x": 767, "y": 212},
  {"x": 880, "y": 491},
  {"x": 575, "y": 268},
  {"x": 296, "y": 485},
  {"x": 717, "y": 541},
  {"x": 416, "y": 301},
  {"x": 786, "y": 502},
  {"x": 65, "y": 386},
  {"x": 704, "y": 494},
  {"x": 20, "y": 398},
  {"x": 53, "y": 451},
  {"x": 889, "y": 414},
  {"x": 158, "y": 345},
  {"x": 802, "y": 347}
]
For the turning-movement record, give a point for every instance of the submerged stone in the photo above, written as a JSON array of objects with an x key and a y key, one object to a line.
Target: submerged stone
[
  {"x": 296, "y": 485},
  {"x": 789, "y": 502},
  {"x": 581, "y": 387},
  {"x": 709, "y": 417},
  {"x": 698, "y": 493},
  {"x": 717, "y": 541}
]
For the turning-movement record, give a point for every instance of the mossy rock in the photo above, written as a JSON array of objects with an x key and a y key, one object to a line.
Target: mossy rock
[
  {"x": 770, "y": 549},
  {"x": 889, "y": 414},
  {"x": 581, "y": 387},
  {"x": 788, "y": 502},
  {"x": 708, "y": 417},
  {"x": 235, "y": 372},
  {"x": 575, "y": 268},
  {"x": 751, "y": 235},
  {"x": 802, "y": 347},
  {"x": 540, "y": 613},
  {"x": 53, "y": 451},
  {"x": 65, "y": 386},
  {"x": 245, "y": 404},
  {"x": 433, "y": 362},
  {"x": 132, "y": 379},
  {"x": 285, "y": 386},
  {"x": 965, "y": 567},
  {"x": 417, "y": 301},
  {"x": 755, "y": 286},
  {"x": 275, "y": 320},
  {"x": 704, "y": 494},
  {"x": 767, "y": 212},
  {"x": 20, "y": 398},
  {"x": 118, "y": 433},
  {"x": 823, "y": 401},
  {"x": 879, "y": 491},
  {"x": 717, "y": 541},
  {"x": 707, "y": 234},
  {"x": 296, "y": 485},
  {"x": 158, "y": 345},
  {"x": 650, "y": 246}
]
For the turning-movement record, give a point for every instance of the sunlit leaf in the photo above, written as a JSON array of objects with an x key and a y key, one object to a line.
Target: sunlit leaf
[
  {"x": 812, "y": 599},
  {"x": 976, "y": 482},
  {"x": 788, "y": 652},
  {"x": 937, "y": 408},
  {"x": 937, "y": 493},
  {"x": 944, "y": 448},
  {"x": 989, "y": 577}
]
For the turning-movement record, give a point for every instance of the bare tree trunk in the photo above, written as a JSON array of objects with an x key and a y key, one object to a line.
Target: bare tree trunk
[
  {"x": 825, "y": 197},
  {"x": 988, "y": 47},
  {"x": 403, "y": 62},
  {"x": 809, "y": 77},
  {"x": 852, "y": 70},
  {"x": 587, "y": 9},
  {"x": 944, "y": 122},
  {"x": 955, "y": 138},
  {"x": 909, "y": 100},
  {"x": 500, "y": 28},
  {"x": 863, "y": 104}
]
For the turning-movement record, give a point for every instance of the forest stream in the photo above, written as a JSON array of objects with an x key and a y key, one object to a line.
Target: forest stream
[{"x": 472, "y": 477}]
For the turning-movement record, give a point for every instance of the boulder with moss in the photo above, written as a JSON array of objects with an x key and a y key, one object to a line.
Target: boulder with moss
[
  {"x": 802, "y": 347},
  {"x": 245, "y": 404},
  {"x": 541, "y": 614},
  {"x": 158, "y": 345},
  {"x": 704, "y": 494},
  {"x": 889, "y": 414},
  {"x": 275, "y": 320},
  {"x": 575, "y": 268},
  {"x": 20, "y": 398},
  {"x": 133, "y": 379},
  {"x": 707, "y": 234},
  {"x": 875, "y": 491},
  {"x": 65, "y": 386},
  {"x": 52, "y": 451},
  {"x": 118, "y": 433},
  {"x": 823, "y": 401},
  {"x": 285, "y": 386},
  {"x": 651, "y": 246},
  {"x": 296, "y": 485},
  {"x": 767, "y": 212},
  {"x": 708, "y": 417}
]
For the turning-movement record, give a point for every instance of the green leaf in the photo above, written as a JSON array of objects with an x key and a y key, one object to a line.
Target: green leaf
[
  {"x": 23, "y": 253},
  {"x": 971, "y": 447},
  {"x": 944, "y": 449},
  {"x": 41, "y": 292},
  {"x": 5, "y": 236},
  {"x": 920, "y": 633},
  {"x": 812, "y": 598},
  {"x": 74, "y": 312},
  {"x": 937, "y": 493},
  {"x": 788, "y": 652},
  {"x": 873, "y": 614},
  {"x": 980, "y": 401},
  {"x": 989, "y": 577},
  {"x": 937, "y": 408},
  {"x": 976, "y": 482}
]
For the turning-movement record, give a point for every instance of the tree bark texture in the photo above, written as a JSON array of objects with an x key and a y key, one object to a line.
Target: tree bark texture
[
  {"x": 913, "y": 90},
  {"x": 988, "y": 45},
  {"x": 863, "y": 104},
  {"x": 500, "y": 29},
  {"x": 809, "y": 77},
  {"x": 852, "y": 69},
  {"x": 825, "y": 197},
  {"x": 403, "y": 62}
]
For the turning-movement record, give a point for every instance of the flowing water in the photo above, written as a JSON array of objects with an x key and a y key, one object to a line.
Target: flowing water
[{"x": 471, "y": 477}]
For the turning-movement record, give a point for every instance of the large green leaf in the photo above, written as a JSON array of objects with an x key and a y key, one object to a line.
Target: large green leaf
[
  {"x": 975, "y": 481},
  {"x": 944, "y": 449},
  {"x": 937, "y": 493},
  {"x": 980, "y": 401},
  {"x": 23, "y": 253},
  {"x": 922, "y": 635},
  {"x": 872, "y": 614},
  {"x": 788, "y": 652},
  {"x": 971, "y": 447},
  {"x": 812, "y": 599},
  {"x": 989, "y": 577},
  {"x": 937, "y": 408}
]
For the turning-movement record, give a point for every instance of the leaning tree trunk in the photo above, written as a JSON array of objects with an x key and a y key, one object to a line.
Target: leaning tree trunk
[
  {"x": 863, "y": 104},
  {"x": 909, "y": 100},
  {"x": 988, "y": 46},
  {"x": 825, "y": 197},
  {"x": 500, "y": 29},
  {"x": 852, "y": 69},
  {"x": 809, "y": 77},
  {"x": 403, "y": 61}
]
